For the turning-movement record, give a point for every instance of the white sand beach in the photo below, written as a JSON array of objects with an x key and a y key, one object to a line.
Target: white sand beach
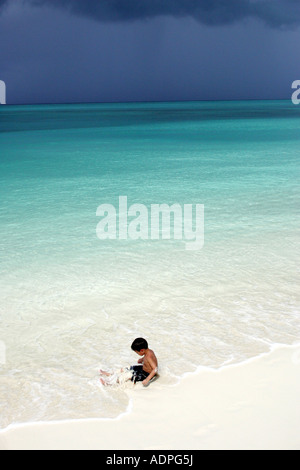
[{"x": 254, "y": 405}]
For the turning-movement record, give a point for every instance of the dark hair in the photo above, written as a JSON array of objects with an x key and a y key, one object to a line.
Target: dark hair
[{"x": 138, "y": 344}]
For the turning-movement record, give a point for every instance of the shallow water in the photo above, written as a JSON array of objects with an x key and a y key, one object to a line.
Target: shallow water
[{"x": 71, "y": 303}]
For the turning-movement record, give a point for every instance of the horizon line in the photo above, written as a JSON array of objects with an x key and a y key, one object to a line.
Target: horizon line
[{"x": 142, "y": 102}]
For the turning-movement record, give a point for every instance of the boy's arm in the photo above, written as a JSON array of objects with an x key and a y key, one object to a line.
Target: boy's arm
[{"x": 153, "y": 372}]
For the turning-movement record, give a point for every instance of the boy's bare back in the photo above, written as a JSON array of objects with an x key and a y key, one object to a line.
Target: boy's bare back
[{"x": 149, "y": 361}]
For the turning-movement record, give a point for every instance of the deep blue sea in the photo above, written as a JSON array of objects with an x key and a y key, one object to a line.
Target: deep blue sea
[{"x": 72, "y": 303}]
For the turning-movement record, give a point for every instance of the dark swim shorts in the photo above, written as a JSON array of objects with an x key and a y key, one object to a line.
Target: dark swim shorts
[{"x": 138, "y": 374}]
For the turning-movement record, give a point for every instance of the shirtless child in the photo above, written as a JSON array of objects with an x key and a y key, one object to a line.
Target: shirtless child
[{"x": 148, "y": 368}]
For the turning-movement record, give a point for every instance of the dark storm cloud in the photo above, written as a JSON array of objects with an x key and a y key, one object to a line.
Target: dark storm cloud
[
  {"x": 275, "y": 13},
  {"x": 3, "y": 3}
]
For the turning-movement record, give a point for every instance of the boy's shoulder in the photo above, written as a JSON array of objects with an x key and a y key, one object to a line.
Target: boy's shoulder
[
  {"x": 151, "y": 354},
  {"x": 150, "y": 351}
]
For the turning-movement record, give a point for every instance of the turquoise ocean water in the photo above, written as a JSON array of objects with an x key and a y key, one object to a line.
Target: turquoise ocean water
[{"x": 71, "y": 303}]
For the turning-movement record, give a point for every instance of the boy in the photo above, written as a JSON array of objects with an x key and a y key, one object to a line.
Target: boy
[{"x": 148, "y": 368}]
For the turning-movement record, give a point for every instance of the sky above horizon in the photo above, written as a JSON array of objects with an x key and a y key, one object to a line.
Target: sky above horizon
[{"x": 70, "y": 51}]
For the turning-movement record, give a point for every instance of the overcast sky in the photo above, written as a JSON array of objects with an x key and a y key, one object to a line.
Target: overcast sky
[{"x": 54, "y": 51}]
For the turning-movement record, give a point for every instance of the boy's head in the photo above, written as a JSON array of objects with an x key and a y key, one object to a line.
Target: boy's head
[{"x": 139, "y": 346}]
